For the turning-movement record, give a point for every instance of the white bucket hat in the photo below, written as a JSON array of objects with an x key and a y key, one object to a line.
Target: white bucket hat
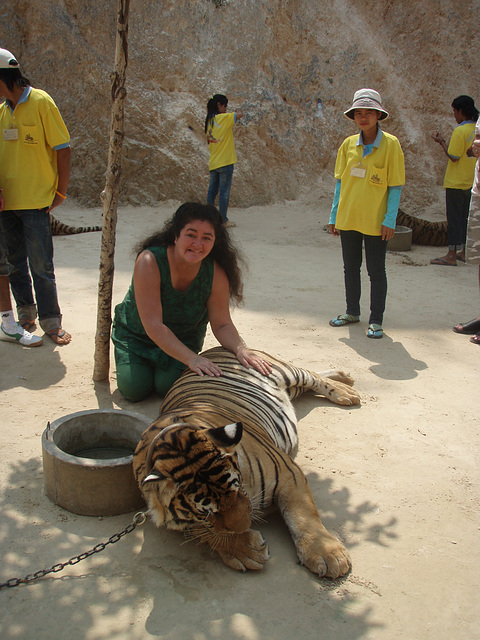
[
  {"x": 8, "y": 60},
  {"x": 367, "y": 99}
]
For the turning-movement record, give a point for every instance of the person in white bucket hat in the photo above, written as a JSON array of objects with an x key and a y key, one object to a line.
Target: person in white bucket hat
[
  {"x": 369, "y": 172},
  {"x": 367, "y": 99}
]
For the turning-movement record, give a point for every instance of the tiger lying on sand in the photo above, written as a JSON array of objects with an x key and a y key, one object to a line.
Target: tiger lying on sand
[
  {"x": 433, "y": 234},
  {"x": 222, "y": 451}
]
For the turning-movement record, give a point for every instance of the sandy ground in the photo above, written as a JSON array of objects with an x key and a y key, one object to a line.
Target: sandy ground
[{"x": 396, "y": 478}]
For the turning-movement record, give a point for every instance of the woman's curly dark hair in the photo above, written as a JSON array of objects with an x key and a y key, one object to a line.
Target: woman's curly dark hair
[{"x": 223, "y": 252}]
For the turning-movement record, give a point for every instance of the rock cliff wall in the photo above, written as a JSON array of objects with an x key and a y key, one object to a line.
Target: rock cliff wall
[{"x": 272, "y": 58}]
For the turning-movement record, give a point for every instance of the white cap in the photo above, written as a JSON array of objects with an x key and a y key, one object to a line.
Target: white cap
[{"x": 8, "y": 60}]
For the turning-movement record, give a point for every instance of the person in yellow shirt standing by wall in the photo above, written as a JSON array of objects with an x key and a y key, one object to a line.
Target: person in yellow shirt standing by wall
[
  {"x": 370, "y": 173},
  {"x": 34, "y": 175},
  {"x": 458, "y": 178},
  {"x": 219, "y": 129}
]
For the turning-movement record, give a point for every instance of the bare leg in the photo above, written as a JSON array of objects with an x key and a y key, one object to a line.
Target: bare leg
[{"x": 5, "y": 300}]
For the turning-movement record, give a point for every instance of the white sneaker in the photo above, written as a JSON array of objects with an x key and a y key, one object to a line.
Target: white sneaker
[{"x": 21, "y": 336}]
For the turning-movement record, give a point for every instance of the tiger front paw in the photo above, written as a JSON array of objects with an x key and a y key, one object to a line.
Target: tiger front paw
[
  {"x": 327, "y": 557},
  {"x": 344, "y": 394},
  {"x": 247, "y": 550}
]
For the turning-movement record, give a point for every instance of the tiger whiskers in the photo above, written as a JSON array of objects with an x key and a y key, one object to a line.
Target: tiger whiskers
[
  {"x": 256, "y": 506},
  {"x": 202, "y": 534},
  {"x": 257, "y": 516}
]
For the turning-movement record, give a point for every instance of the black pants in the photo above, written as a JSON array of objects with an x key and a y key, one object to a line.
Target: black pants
[
  {"x": 458, "y": 203},
  {"x": 375, "y": 253}
]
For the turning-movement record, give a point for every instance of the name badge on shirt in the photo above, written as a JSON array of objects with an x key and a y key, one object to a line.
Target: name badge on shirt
[
  {"x": 10, "y": 134},
  {"x": 358, "y": 172}
]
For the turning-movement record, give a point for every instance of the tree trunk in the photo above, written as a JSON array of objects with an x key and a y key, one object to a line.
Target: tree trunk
[{"x": 109, "y": 197}]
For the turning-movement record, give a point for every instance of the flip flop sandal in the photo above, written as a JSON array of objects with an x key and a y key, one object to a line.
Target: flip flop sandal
[
  {"x": 57, "y": 333},
  {"x": 28, "y": 325},
  {"x": 469, "y": 328},
  {"x": 375, "y": 331},
  {"x": 343, "y": 319},
  {"x": 475, "y": 339},
  {"x": 443, "y": 262}
]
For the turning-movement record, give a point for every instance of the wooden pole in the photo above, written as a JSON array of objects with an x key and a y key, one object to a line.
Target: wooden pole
[{"x": 109, "y": 197}]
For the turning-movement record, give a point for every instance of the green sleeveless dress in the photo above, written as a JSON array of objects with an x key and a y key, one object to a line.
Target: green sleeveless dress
[{"x": 184, "y": 313}]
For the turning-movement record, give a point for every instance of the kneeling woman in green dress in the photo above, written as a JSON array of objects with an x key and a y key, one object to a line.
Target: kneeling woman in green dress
[{"x": 185, "y": 277}]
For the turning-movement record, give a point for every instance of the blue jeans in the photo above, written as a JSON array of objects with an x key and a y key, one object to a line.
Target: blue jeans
[
  {"x": 220, "y": 179},
  {"x": 375, "y": 255},
  {"x": 30, "y": 251}
]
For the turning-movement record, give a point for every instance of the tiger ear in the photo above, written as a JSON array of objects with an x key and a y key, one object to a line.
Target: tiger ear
[
  {"x": 153, "y": 476},
  {"x": 229, "y": 435}
]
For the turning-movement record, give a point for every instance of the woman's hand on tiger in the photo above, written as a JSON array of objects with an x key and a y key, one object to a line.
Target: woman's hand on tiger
[
  {"x": 203, "y": 367},
  {"x": 250, "y": 359}
]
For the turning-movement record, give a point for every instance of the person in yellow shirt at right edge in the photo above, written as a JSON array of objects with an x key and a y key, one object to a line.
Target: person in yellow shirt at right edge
[
  {"x": 458, "y": 178},
  {"x": 370, "y": 173}
]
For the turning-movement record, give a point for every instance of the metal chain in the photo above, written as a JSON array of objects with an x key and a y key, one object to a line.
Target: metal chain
[{"x": 138, "y": 519}]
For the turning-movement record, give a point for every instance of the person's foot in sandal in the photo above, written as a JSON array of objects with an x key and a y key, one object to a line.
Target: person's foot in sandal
[
  {"x": 450, "y": 259},
  {"x": 343, "y": 319},
  {"x": 475, "y": 339},
  {"x": 59, "y": 336},
  {"x": 28, "y": 325},
  {"x": 469, "y": 328},
  {"x": 374, "y": 331}
]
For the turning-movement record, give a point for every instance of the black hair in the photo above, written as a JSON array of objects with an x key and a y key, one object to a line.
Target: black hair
[
  {"x": 224, "y": 252},
  {"x": 466, "y": 105},
  {"x": 13, "y": 77},
  {"x": 212, "y": 107}
]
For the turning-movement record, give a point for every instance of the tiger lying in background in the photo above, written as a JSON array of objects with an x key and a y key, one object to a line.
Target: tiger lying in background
[
  {"x": 222, "y": 451},
  {"x": 59, "y": 229},
  {"x": 424, "y": 232}
]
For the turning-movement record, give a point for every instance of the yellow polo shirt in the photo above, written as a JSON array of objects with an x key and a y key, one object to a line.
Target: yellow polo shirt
[
  {"x": 365, "y": 180},
  {"x": 460, "y": 174},
  {"x": 222, "y": 153},
  {"x": 28, "y": 158}
]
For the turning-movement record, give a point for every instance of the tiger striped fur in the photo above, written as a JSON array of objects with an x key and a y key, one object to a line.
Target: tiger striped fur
[
  {"x": 59, "y": 229},
  {"x": 222, "y": 451},
  {"x": 433, "y": 234}
]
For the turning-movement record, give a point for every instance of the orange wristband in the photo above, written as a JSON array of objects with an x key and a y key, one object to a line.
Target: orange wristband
[{"x": 61, "y": 195}]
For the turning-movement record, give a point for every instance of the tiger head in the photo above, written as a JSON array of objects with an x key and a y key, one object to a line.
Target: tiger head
[{"x": 191, "y": 479}]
